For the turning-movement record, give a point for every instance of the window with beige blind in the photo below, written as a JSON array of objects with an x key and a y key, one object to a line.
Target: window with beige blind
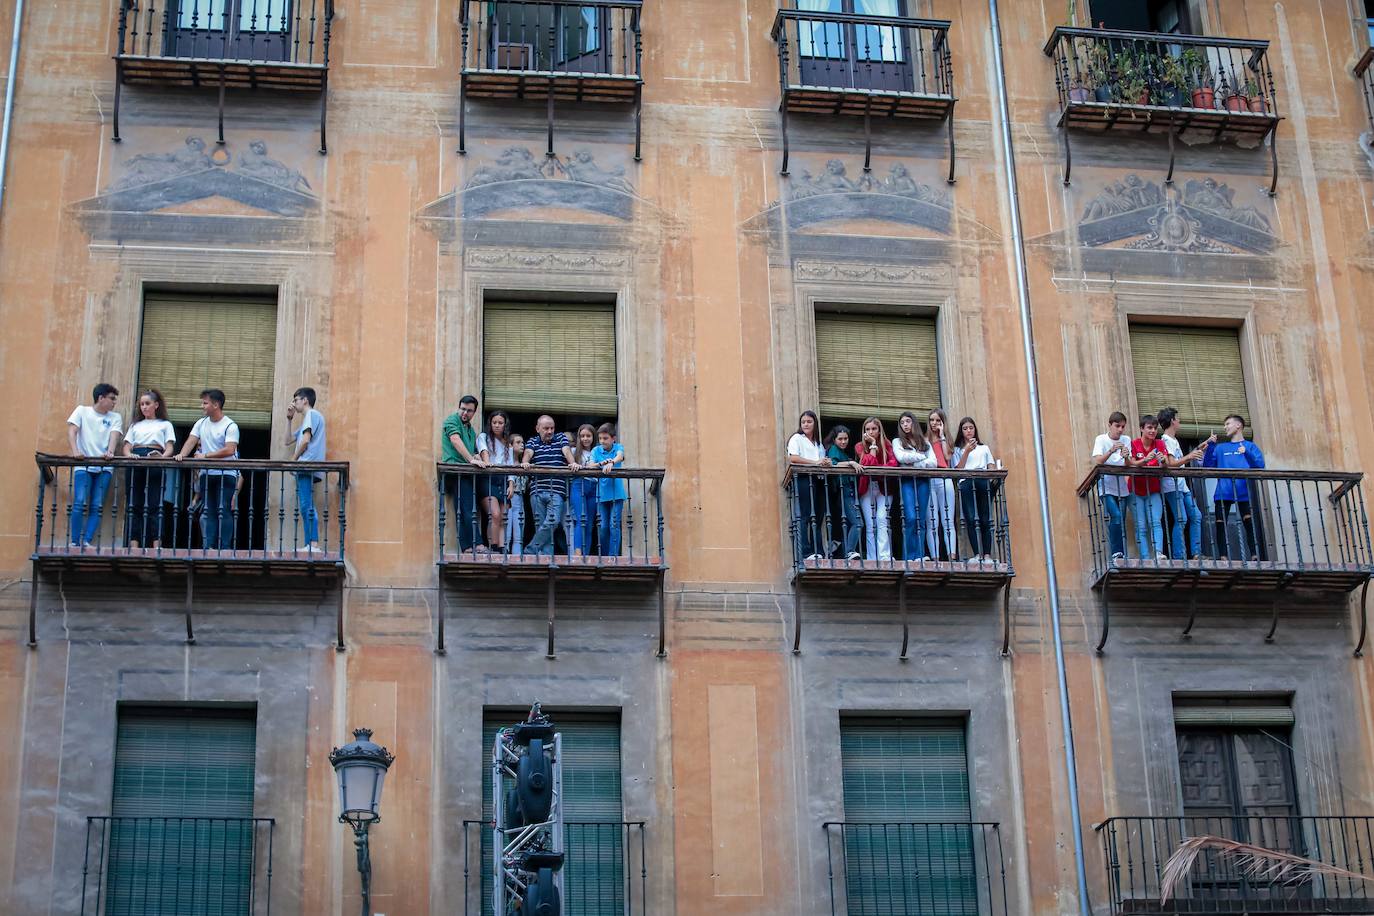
[
  {"x": 1197, "y": 370},
  {"x": 876, "y": 365},
  {"x": 555, "y": 358},
  {"x": 193, "y": 342}
]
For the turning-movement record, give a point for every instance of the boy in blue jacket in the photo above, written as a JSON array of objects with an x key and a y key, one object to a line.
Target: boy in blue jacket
[{"x": 1236, "y": 453}]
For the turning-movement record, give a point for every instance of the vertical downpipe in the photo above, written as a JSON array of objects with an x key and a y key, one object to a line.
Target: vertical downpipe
[
  {"x": 1038, "y": 435},
  {"x": 9, "y": 96}
]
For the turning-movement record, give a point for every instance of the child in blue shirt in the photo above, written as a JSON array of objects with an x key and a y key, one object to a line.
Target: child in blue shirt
[
  {"x": 611, "y": 492},
  {"x": 1237, "y": 454}
]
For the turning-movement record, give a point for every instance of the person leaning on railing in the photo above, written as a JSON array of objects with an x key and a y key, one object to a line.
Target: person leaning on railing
[
  {"x": 1111, "y": 449},
  {"x": 913, "y": 451},
  {"x": 151, "y": 436},
  {"x": 215, "y": 437},
  {"x": 459, "y": 446},
  {"x": 92, "y": 432},
  {"x": 845, "y": 493},
  {"x": 548, "y": 494},
  {"x": 493, "y": 445},
  {"x": 1177, "y": 493},
  {"x": 804, "y": 450},
  {"x": 975, "y": 494},
  {"x": 1236, "y": 453},
  {"x": 875, "y": 500},
  {"x": 941, "y": 489},
  {"x": 1147, "y": 501},
  {"x": 308, "y": 444}
]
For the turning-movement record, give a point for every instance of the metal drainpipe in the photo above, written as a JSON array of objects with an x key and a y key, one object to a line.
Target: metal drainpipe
[
  {"x": 9, "y": 97},
  {"x": 1037, "y": 430}
]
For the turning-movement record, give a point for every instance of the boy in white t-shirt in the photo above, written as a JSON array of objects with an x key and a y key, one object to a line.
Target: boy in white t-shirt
[
  {"x": 92, "y": 432},
  {"x": 307, "y": 444},
  {"x": 1111, "y": 449},
  {"x": 215, "y": 437}
]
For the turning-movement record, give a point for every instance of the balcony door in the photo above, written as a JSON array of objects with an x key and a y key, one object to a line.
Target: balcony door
[
  {"x": 257, "y": 30},
  {"x": 846, "y": 55},
  {"x": 1238, "y": 783},
  {"x": 561, "y": 38}
]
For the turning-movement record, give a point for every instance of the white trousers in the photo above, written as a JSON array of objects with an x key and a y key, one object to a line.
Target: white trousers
[
  {"x": 876, "y": 507},
  {"x": 941, "y": 521}
]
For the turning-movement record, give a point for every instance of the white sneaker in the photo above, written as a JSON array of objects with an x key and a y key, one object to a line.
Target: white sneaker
[
  {"x": 1118, "y": 557},
  {"x": 815, "y": 556},
  {"x": 1160, "y": 556},
  {"x": 854, "y": 555}
]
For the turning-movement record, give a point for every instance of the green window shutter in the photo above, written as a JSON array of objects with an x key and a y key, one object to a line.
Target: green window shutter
[
  {"x": 1197, "y": 370},
  {"x": 191, "y": 343},
  {"x": 900, "y": 774},
  {"x": 592, "y": 880},
  {"x": 549, "y": 357},
  {"x": 876, "y": 365},
  {"x": 1234, "y": 712},
  {"x": 182, "y": 763}
]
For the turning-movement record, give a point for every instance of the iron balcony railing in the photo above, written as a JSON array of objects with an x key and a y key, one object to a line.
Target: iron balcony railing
[
  {"x": 1364, "y": 72},
  {"x": 551, "y": 517},
  {"x": 1305, "y": 527},
  {"x": 253, "y": 31},
  {"x": 1136, "y": 851},
  {"x": 947, "y": 520},
  {"x": 953, "y": 869},
  {"x": 847, "y": 52},
  {"x": 161, "y": 510},
  {"x": 605, "y": 869},
  {"x": 1111, "y": 67},
  {"x": 594, "y": 38},
  {"x": 148, "y": 866}
]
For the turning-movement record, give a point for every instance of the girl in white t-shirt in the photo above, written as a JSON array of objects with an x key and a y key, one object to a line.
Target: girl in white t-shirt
[
  {"x": 975, "y": 495},
  {"x": 150, "y": 436},
  {"x": 493, "y": 446},
  {"x": 804, "y": 450}
]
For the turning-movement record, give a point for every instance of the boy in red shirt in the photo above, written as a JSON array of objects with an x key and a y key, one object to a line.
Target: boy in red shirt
[{"x": 1146, "y": 500}]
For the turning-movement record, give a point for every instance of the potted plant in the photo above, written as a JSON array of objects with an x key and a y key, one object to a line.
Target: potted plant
[
  {"x": 1258, "y": 103},
  {"x": 1099, "y": 71},
  {"x": 1133, "y": 86},
  {"x": 1236, "y": 100},
  {"x": 1198, "y": 78},
  {"x": 1172, "y": 82}
]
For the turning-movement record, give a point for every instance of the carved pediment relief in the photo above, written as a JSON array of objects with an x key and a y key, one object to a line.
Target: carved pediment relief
[
  {"x": 1201, "y": 217},
  {"x": 832, "y": 195}
]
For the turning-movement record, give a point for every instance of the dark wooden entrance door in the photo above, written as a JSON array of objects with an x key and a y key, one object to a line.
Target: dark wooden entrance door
[
  {"x": 257, "y": 30},
  {"x": 845, "y": 55}
]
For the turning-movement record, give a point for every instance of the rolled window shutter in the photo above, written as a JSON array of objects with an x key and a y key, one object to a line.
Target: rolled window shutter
[
  {"x": 1197, "y": 370},
  {"x": 1237, "y": 716},
  {"x": 876, "y": 365},
  {"x": 191, "y": 343},
  {"x": 549, "y": 357}
]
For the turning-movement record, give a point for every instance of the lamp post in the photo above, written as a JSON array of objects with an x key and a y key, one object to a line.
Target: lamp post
[{"x": 361, "y": 767}]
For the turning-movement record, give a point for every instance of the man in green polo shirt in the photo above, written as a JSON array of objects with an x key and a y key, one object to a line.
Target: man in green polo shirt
[{"x": 459, "y": 446}]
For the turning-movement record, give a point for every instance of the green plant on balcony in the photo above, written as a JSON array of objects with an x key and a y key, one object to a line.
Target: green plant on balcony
[
  {"x": 1172, "y": 85},
  {"x": 1132, "y": 77},
  {"x": 1198, "y": 78}
]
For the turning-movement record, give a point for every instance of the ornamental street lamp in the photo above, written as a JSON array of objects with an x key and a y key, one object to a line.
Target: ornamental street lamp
[{"x": 361, "y": 767}]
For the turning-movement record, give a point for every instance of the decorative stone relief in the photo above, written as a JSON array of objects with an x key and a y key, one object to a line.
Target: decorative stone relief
[
  {"x": 832, "y": 195},
  {"x": 562, "y": 262},
  {"x": 852, "y": 273},
  {"x": 518, "y": 179},
  {"x": 1200, "y": 217}
]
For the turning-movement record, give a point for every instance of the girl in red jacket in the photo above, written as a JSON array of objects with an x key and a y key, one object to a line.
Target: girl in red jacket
[{"x": 875, "y": 500}]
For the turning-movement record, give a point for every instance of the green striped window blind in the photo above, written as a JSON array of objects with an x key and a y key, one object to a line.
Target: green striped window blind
[
  {"x": 175, "y": 770},
  {"x": 593, "y": 884},
  {"x": 905, "y": 773},
  {"x": 1197, "y": 370},
  {"x": 876, "y": 365},
  {"x": 549, "y": 357}
]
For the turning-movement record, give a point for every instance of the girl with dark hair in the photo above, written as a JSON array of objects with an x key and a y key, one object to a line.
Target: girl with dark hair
[
  {"x": 941, "y": 530},
  {"x": 151, "y": 436},
  {"x": 975, "y": 496},
  {"x": 844, "y": 494},
  {"x": 493, "y": 447},
  {"x": 804, "y": 450},
  {"x": 582, "y": 498},
  {"x": 913, "y": 451},
  {"x": 875, "y": 499}
]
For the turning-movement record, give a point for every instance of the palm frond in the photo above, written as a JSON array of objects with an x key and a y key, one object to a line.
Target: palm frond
[{"x": 1268, "y": 866}]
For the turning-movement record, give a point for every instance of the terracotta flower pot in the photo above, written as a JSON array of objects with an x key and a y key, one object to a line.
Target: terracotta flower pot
[
  {"x": 1080, "y": 94},
  {"x": 1237, "y": 103},
  {"x": 1204, "y": 97},
  {"x": 1258, "y": 104}
]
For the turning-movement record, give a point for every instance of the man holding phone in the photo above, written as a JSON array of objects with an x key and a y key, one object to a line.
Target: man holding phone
[
  {"x": 1111, "y": 449},
  {"x": 1237, "y": 453}
]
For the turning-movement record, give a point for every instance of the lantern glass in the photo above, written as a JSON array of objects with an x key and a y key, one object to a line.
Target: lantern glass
[{"x": 360, "y": 789}]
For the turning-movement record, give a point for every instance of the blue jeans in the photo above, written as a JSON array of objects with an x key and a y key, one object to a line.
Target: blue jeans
[
  {"x": 88, "y": 488},
  {"x": 849, "y": 527},
  {"x": 975, "y": 502},
  {"x": 547, "y": 508},
  {"x": 608, "y": 514},
  {"x": 915, "y": 511},
  {"x": 1183, "y": 506},
  {"x": 462, "y": 491},
  {"x": 305, "y": 500},
  {"x": 1148, "y": 512},
  {"x": 1115, "y": 507},
  {"x": 217, "y": 511},
  {"x": 804, "y": 514},
  {"x": 584, "y": 514}
]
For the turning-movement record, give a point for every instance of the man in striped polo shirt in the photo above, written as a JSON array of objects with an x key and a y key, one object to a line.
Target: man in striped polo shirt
[{"x": 548, "y": 495}]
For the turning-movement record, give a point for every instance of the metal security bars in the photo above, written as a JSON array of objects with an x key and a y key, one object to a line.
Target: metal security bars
[
  {"x": 846, "y": 63},
  {"x": 945, "y": 529},
  {"x": 1364, "y": 72},
  {"x": 141, "y": 866},
  {"x": 552, "y": 524},
  {"x": 1209, "y": 89},
  {"x": 953, "y": 869},
  {"x": 605, "y": 869},
  {"x": 546, "y": 50},
  {"x": 1136, "y": 850},
  {"x": 225, "y": 44},
  {"x": 1218, "y": 532},
  {"x": 160, "y": 514}
]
